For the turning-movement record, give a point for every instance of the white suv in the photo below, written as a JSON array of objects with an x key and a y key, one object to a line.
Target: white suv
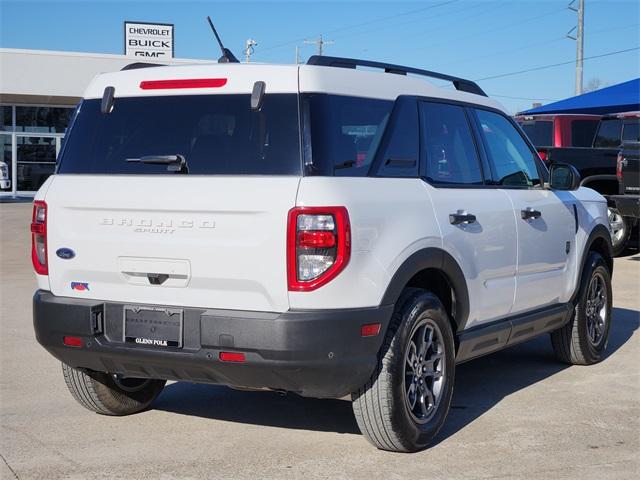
[{"x": 318, "y": 229}]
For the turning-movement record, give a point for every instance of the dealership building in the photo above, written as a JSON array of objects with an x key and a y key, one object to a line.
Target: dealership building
[{"x": 39, "y": 91}]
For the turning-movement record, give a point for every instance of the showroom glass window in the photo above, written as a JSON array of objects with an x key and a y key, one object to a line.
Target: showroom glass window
[
  {"x": 30, "y": 138},
  {"x": 42, "y": 119}
]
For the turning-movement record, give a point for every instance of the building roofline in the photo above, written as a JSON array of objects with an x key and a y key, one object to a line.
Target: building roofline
[{"x": 112, "y": 56}]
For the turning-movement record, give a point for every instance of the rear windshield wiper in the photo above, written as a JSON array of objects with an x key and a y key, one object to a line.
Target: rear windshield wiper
[{"x": 174, "y": 163}]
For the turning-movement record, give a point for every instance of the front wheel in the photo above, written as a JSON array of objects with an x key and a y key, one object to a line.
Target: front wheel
[
  {"x": 111, "y": 394},
  {"x": 406, "y": 401},
  {"x": 584, "y": 339}
]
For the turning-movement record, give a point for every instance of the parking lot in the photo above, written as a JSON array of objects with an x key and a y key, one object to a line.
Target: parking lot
[{"x": 517, "y": 413}]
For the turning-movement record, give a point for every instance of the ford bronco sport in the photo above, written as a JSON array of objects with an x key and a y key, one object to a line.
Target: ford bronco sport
[{"x": 320, "y": 229}]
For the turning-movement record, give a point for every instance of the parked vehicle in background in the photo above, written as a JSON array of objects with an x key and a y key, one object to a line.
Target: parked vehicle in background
[
  {"x": 559, "y": 130},
  {"x": 5, "y": 182},
  {"x": 627, "y": 203},
  {"x": 597, "y": 166},
  {"x": 318, "y": 229}
]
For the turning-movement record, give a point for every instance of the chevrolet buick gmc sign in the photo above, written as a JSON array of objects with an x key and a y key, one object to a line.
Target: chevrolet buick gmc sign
[{"x": 148, "y": 40}]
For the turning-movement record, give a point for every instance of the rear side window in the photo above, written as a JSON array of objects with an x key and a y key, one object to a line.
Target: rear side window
[
  {"x": 609, "y": 133},
  {"x": 631, "y": 132},
  {"x": 399, "y": 150},
  {"x": 512, "y": 160},
  {"x": 217, "y": 134},
  {"x": 540, "y": 132},
  {"x": 344, "y": 133},
  {"x": 451, "y": 155},
  {"x": 582, "y": 132}
]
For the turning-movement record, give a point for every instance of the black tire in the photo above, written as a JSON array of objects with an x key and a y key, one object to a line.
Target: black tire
[
  {"x": 622, "y": 232},
  {"x": 382, "y": 406},
  {"x": 108, "y": 395},
  {"x": 573, "y": 343}
]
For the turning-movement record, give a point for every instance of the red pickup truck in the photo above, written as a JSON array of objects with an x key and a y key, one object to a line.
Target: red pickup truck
[{"x": 559, "y": 130}]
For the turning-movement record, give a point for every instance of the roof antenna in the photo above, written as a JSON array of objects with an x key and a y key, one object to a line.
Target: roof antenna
[{"x": 227, "y": 56}]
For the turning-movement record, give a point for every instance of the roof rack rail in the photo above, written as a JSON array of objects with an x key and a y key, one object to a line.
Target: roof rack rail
[
  {"x": 459, "y": 83},
  {"x": 136, "y": 65}
]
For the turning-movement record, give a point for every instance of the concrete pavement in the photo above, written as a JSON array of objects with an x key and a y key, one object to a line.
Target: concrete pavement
[{"x": 517, "y": 413}]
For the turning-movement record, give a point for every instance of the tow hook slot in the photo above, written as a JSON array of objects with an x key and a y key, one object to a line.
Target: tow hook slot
[
  {"x": 157, "y": 278},
  {"x": 97, "y": 319}
]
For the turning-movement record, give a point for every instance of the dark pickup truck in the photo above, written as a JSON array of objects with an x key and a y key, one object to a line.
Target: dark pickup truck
[
  {"x": 598, "y": 167},
  {"x": 628, "y": 173}
]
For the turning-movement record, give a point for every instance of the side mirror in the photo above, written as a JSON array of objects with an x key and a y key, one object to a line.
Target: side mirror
[{"x": 564, "y": 177}]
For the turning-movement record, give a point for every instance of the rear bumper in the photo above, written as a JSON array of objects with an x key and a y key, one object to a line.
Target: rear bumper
[
  {"x": 313, "y": 353},
  {"x": 627, "y": 205}
]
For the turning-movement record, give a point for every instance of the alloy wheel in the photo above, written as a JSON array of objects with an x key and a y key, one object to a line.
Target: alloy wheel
[
  {"x": 596, "y": 309},
  {"x": 424, "y": 371},
  {"x": 617, "y": 226}
]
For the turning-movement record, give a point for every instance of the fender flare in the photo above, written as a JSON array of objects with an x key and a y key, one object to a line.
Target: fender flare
[
  {"x": 442, "y": 261},
  {"x": 598, "y": 232}
]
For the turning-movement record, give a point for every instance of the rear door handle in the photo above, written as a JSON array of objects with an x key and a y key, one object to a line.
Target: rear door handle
[
  {"x": 529, "y": 213},
  {"x": 461, "y": 217}
]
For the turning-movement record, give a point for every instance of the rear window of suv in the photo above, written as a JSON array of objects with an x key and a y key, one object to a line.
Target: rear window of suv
[
  {"x": 216, "y": 134},
  {"x": 540, "y": 132}
]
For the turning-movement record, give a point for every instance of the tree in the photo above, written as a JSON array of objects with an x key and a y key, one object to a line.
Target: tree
[{"x": 594, "y": 84}]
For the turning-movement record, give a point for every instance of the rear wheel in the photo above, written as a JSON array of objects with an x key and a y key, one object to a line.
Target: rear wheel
[
  {"x": 620, "y": 231},
  {"x": 111, "y": 394},
  {"x": 406, "y": 401},
  {"x": 584, "y": 339}
]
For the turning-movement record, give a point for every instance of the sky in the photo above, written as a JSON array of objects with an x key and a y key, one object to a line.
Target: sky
[{"x": 474, "y": 39}]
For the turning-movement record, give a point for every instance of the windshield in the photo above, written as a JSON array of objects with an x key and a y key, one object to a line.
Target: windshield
[{"x": 216, "y": 134}]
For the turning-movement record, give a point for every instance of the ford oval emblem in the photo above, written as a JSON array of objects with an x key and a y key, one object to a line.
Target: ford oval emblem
[{"x": 65, "y": 253}]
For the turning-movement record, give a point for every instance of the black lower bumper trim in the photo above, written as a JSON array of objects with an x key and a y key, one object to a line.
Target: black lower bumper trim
[{"x": 313, "y": 353}]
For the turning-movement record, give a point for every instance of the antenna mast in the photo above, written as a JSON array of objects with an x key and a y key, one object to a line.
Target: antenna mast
[{"x": 227, "y": 56}]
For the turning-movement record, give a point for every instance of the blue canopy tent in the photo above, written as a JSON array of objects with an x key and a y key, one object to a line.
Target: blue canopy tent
[{"x": 623, "y": 97}]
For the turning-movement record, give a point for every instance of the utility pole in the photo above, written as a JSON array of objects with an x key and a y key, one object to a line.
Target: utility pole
[
  {"x": 320, "y": 43},
  {"x": 297, "y": 55},
  {"x": 579, "y": 38},
  {"x": 248, "y": 49}
]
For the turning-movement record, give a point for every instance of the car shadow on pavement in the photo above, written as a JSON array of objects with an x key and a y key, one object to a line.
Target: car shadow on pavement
[{"x": 480, "y": 385}]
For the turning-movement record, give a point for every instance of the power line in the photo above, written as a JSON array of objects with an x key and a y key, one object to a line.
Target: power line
[
  {"x": 404, "y": 14},
  {"x": 494, "y": 29},
  {"x": 544, "y": 67},
  {"x": 369, "y": 22},
  {"x": 521, "y": 98},
  {"x": 484, "y": 10},
  {"x": 414, "y": 19},
  {"x": 537, "y": 44}
]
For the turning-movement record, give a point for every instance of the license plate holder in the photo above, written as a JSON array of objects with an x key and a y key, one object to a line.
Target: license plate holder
[{"x": 155, "y": 327}]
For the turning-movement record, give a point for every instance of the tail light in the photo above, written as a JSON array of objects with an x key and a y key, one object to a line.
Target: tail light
[
  {"x": 318, "y": 246},
  {"x": 543, "y": 156},
  {"x": 39, "y": 238},
  {"x": 619, "y": 164}
]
